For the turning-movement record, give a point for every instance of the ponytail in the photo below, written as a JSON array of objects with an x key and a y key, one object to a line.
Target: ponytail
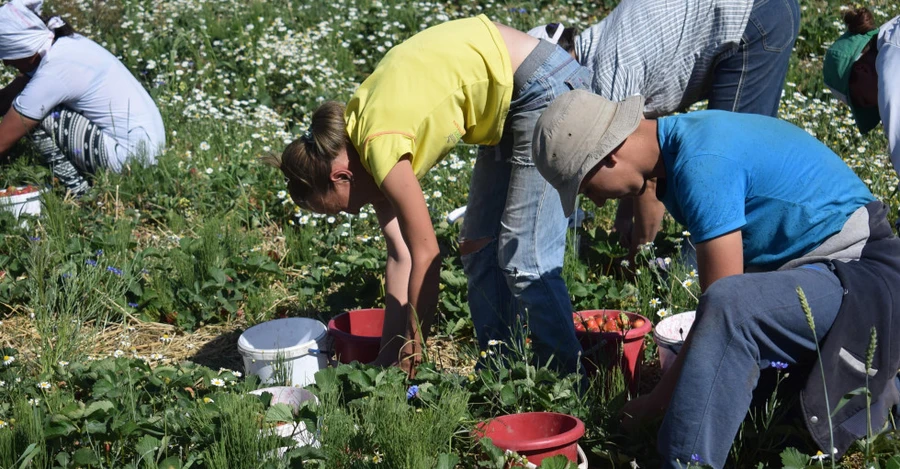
[
  {"x": 307, "y": 161},
  {"x": 859, "y": 20},
  {"x": 59, "y": 26}
]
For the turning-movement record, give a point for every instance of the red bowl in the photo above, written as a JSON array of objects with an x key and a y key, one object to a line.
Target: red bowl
[
  {"x": 535, "y": 435},
  {"x": 602, "y": 348},
  {"x": 356, "y": 334}
]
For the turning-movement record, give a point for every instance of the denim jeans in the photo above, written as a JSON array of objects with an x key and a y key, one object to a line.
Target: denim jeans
[
  {"x": 516, "y": 276},
  {"x": 744, "y": 323},
  {"x": 751, "y": 78}
]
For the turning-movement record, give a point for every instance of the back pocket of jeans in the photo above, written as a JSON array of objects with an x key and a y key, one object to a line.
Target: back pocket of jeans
[
  {"x": 775, "y": 21},
  {"x": 580, "y": 80}
]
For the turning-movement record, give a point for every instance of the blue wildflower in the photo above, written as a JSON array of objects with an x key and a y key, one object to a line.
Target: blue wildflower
[
  {"x": 34, "y": 238},
  {"x": 56, "y": 115},
  {"x": 412, "y": 392},
  {"x": 114, "y": 270},
  {"x": 696, "y": 459},
  {"x": 132, "y": 304},
  {"x": 66, "y": 275},
  {"x": 99, "y": 253},
  {"x": 779, "y": 365},
  {"x": 90, "y": 262}
]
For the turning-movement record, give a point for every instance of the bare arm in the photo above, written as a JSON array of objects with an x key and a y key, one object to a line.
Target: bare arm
[
  {"x": 717, "y": 258},
  {"x": 396, "y": 283},
  {"x": 9, "y": 93},
  {"x": 402, "y": 190},
  {"x": 13, "y": 127},
  {"x": 639, "y": 218}
]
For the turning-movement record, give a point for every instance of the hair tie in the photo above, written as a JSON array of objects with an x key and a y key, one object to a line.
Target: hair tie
[
  {"x": 307, "y": 136},
  {"x": 55, "y": 23}
]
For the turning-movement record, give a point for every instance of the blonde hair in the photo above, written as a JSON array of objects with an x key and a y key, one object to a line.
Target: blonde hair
[{"x": 306, "y": 162}]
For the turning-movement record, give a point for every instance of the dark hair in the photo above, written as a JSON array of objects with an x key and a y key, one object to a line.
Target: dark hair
[
  {"x": 65, "y": 30},
  {"x": 859, "y": 20},
  {"x": 566, "y": 40},
  {"x": 306, "y": 162}
]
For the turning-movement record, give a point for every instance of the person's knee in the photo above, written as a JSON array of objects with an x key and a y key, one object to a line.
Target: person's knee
[{"x": 723, "y": 306}]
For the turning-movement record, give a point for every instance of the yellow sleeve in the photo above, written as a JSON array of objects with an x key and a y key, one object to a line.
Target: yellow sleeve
[{"x": 382, "y": 152}]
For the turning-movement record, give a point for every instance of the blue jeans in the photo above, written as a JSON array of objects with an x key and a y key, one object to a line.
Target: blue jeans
[
  {"x": 750, "y": 79},
  {"x": 516, "y": 276},
  {"x": 744, "y": 323}
]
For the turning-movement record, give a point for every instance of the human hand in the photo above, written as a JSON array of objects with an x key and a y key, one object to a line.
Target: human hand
[
  {"x": 640, "y": 411},
  {"x": 410, "y": 357},
  {"x": 407, "y": 355},
  {"x": 625, "y": 227}
]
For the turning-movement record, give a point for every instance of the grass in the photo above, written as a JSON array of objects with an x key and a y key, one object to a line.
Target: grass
[{"x": 207, "y": 236}]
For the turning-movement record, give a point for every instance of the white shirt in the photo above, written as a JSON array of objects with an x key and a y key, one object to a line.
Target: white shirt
[
  {"x": 887, "y": 64},
  {"x": 84, "y": 77},
  {"x": 661, "y": 49}
]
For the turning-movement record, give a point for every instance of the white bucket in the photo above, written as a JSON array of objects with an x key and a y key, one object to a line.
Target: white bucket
[
  {"x": 28, "y": 203},
  {"x": 296, "y": 344},
  {"x": 669, "y": 336},
  {"x": 293, "y": 397}
]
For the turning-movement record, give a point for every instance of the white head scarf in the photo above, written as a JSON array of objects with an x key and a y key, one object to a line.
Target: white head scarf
[
  {"x": 22, "y": 32},
  {"x": 540, "y": 32}
]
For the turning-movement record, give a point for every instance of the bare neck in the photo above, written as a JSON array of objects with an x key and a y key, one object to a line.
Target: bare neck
[{"x": 644, "y": 149}]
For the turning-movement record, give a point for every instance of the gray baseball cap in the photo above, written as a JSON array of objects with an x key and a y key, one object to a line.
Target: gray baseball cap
[{"x": 575, "y": 133}]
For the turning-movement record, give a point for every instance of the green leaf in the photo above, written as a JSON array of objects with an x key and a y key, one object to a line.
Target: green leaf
[
  {"x": 58, "y": 428},
  {"x": 447, "y": 461},
  {"x": 85, "y": 457},
  {"x": 508, "y": 395},
  {"x": 846, "y": 399},
  {"x": 557, "y": 462},
  {"x": 30, "y": 452},
  {"x": 362, "y": 379},
  {"x": 146, "y": 446},
  {"x": 280, "y": 413},
  {"x": 494, "y": 454},
  {"x": 172, "y": 462},
  {"x": 95, "y": 427},
  {"x": 101, "y": 406},
  {"x": 217, "y": 274},
  {"x": 792, "y": 458},
  {"x": 893, "y": 463}
]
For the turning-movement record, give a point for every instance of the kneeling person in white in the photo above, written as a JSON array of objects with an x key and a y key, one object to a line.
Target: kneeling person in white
[{"x": 82, "y": 108}]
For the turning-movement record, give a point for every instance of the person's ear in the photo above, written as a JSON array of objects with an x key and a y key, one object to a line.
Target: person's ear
[
  {"x": 611, "y": 160},
  {"x": 341, "y": 175}
]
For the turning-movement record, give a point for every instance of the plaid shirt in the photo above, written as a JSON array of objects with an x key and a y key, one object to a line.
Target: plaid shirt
[{"x": 661, "y": 49}]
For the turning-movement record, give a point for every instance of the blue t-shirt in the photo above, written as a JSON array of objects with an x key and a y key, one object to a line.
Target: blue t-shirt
[{"x": 786, "y": 191}]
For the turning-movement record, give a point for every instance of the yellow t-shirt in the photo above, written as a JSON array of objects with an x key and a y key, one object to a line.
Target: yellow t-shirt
[{"x": 448, "y": 83}]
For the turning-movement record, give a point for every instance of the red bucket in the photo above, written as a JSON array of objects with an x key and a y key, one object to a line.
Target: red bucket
[
  {"x": 535, "y": 435},
  {"x": 357, "y": 334},
  {"x": 626, "y": 343}
]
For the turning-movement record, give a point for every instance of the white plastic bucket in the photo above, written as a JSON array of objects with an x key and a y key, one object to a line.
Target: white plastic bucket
[
  {"x": 28, "y": 203},
  {"x": 669, "y": 336},
  {"x": 296, "y": 345},
  {"x": 293, "y": 397}
]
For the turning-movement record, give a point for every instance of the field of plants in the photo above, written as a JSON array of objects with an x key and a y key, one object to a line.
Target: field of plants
[{"x": 120, "y": 311}]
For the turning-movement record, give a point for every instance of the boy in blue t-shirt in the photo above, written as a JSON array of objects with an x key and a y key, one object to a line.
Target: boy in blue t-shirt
[{"x": 771, "y": 210}]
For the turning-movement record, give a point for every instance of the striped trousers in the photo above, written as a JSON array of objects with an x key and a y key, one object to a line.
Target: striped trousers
[{"x": 72, "y": 146}]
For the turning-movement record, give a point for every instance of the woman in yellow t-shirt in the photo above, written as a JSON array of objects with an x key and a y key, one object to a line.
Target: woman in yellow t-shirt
[{"x": 467, "y": 80}]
